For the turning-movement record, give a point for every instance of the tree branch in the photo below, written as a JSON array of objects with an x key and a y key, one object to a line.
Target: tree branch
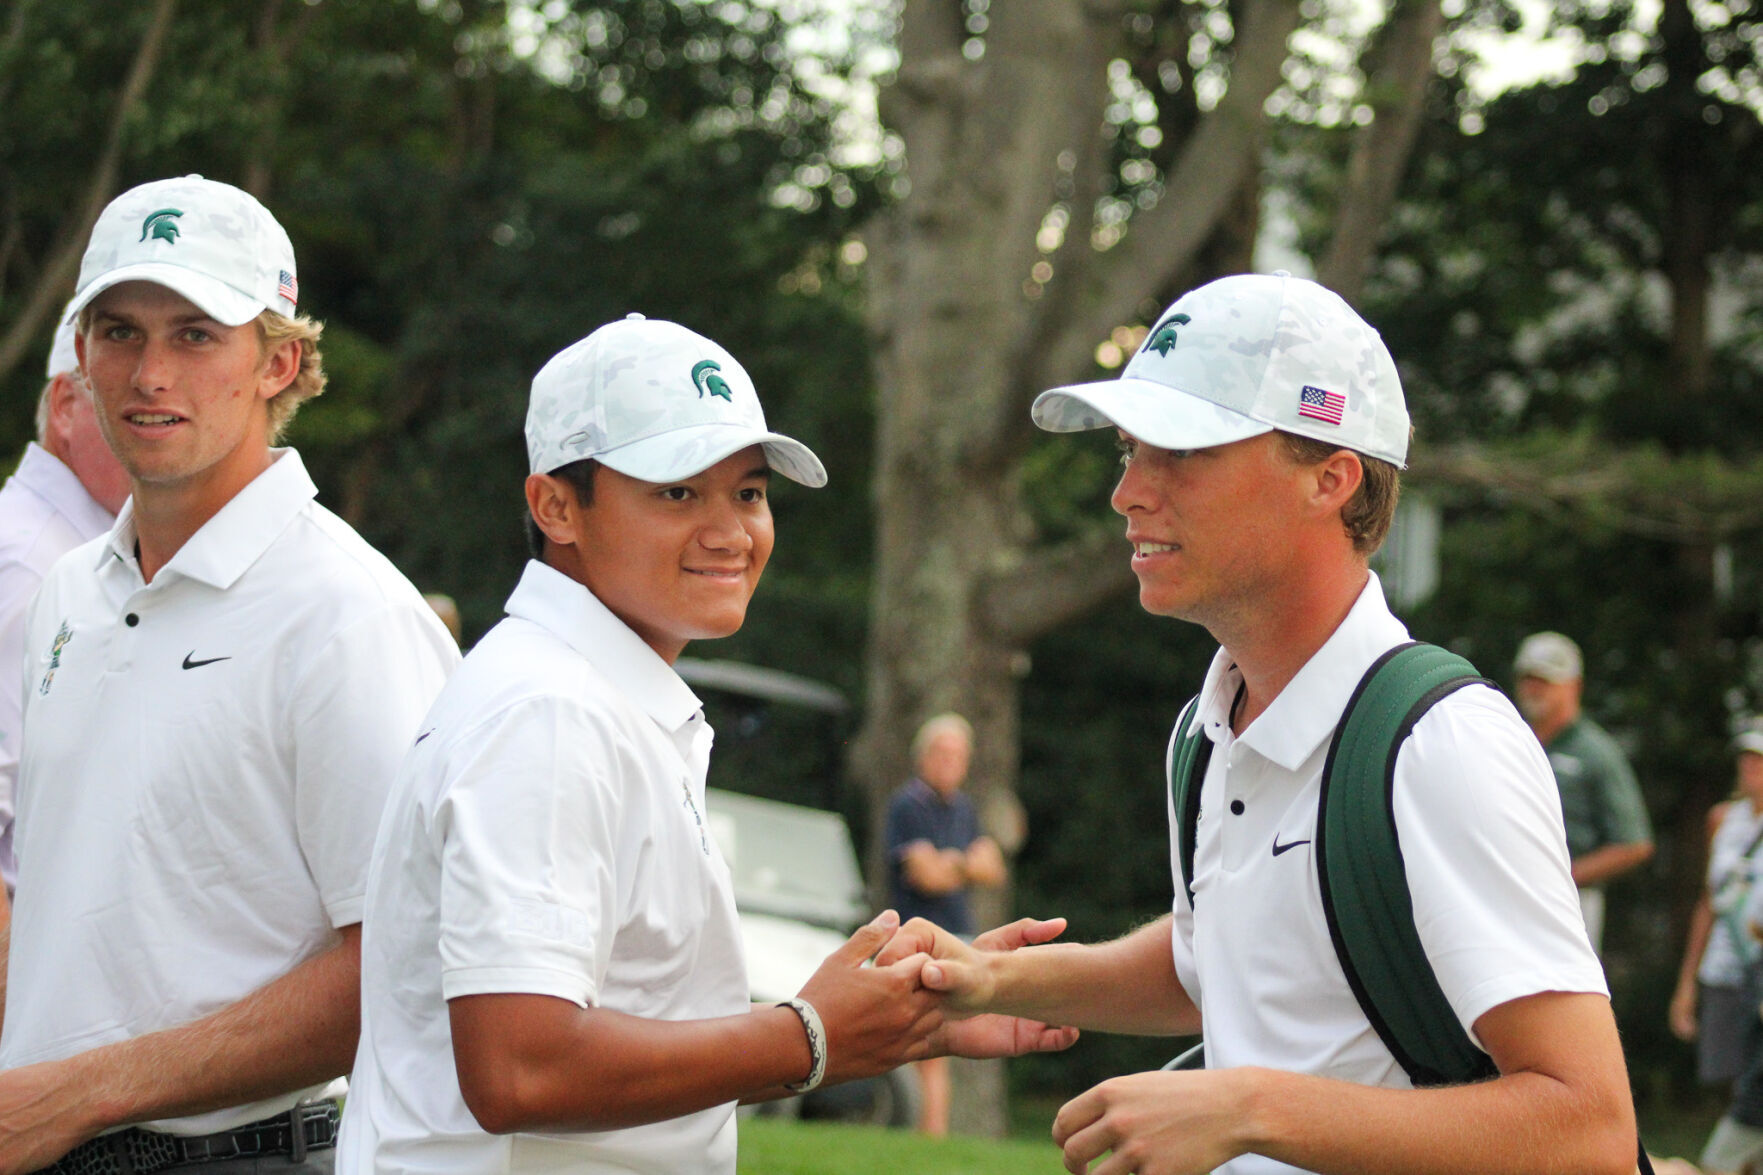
[
  {"x": 1396, "y": 91},
  {"x": 1208, "y": 174},
  {"x": 1681, "y": 498},
  {"x": 55, "y": 283},
  {"x": 1054, "y": 585}
]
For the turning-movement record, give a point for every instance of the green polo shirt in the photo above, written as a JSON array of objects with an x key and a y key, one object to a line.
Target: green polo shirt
[{"x": 1600, "y": 799}]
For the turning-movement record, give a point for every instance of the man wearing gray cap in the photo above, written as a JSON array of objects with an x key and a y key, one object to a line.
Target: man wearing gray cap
[
  {"x": 217, "y": 693},
  {"x": 1608, "y": 832},
  {"x": 552, "y": 976},
  {"x": 65, "y": 491},
  {"x": 1262, "y": 426}
]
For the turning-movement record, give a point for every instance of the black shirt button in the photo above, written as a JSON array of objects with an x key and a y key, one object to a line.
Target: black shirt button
[
  {"x": 1236, "y": 807},
  {"x": 131, "y": 620}
]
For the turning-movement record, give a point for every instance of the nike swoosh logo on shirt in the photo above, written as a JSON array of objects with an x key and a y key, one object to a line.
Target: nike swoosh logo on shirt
[
  {"x": 1279, "y": 848},
  {"x": 189, "y": 664}
]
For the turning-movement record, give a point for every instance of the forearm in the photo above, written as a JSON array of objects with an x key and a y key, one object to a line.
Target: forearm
[
  {"x": 983, "y": 863},
  {"x": 297, "y": 1031},
  {"x": 1696, "y": 944},
  {"x": 604, "y": 1070},
  {"x": 1601, "y": 864},
  {"x": 1128, "y": 985},
  {"x": 932, "y": 872},
  {"x": 1518, "y": 1123}
]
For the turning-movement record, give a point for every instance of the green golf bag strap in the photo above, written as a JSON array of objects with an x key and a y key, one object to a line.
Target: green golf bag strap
[
  {"x": 1189, "y": 752},
  {"x": 1364, "y": 882}
]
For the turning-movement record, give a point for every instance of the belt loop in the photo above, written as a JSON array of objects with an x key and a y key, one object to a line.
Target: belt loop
[{"x": 297, "y": 1144}]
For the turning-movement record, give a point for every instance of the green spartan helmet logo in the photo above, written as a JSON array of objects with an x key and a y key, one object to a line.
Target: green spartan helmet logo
[
  {"x": 705, "y": 378},
  {"x": 162, "y": 225},
  {"x": 1163, "y": 338}
]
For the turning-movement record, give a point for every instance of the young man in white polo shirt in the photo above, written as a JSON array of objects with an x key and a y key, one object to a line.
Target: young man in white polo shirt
[
  {"x": 217, "y": 695},
  {"x": 66, "y": 491},
  {"x": 552, "y": 976},
  {"x": 1263, "y": 425}
]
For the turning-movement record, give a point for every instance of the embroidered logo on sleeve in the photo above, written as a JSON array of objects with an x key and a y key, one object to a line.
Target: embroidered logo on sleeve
[{"x": 61, "y": 638}]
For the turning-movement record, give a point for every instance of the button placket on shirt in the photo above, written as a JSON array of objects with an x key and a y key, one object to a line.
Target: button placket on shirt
[{"x": 129, "y": 630}]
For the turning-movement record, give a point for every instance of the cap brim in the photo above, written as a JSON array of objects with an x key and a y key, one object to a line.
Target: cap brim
[
  {"x": 686, "y": 452},
  {"x": 1154, "y": 413},
  {"x": 213, "y": 297}
]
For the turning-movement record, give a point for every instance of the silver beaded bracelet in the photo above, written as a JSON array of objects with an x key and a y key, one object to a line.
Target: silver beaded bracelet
[{"x": 816, "y": 1045}]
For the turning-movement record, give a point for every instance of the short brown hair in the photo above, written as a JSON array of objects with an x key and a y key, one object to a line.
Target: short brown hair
[
  {"x": 274, "y": 329},
  {"x": 1368, "y": 515}
]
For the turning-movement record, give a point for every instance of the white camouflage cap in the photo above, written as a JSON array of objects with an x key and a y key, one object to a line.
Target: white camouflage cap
[
  {"x": 62, "y": 356},
  {"x": 1243, "y": 356},
  {"x": 654, "y": 401},
  {"x": 1748, "y": 742},
  {"x": 1550, "y": 656},
  {"x": 209, "y": 241}
]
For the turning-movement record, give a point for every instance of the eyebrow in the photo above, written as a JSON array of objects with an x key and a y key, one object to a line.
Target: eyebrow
[{"x": 132, "y": 320}]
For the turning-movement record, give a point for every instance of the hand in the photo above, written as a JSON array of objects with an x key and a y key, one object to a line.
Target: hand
[
  {"x": 1006, "y": 1036},
  {"x": 957, "y": 970},
  {"x": 1682, "y": 1012},
  {"x": 875, "y": 1017},
  {"x": 1155, "y": 1124},
  {"x": 43, "y": 1115}
]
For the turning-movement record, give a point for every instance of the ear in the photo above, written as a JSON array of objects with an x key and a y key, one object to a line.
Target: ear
[
  {"x": 1336, "y": 479},
  {"x": 280, "y": 366},
  {"x": 553, "y": 506},
  {"x": 61, "y": 404}
]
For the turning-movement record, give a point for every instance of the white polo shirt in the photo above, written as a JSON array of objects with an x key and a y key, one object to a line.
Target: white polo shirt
[
  {"x": 544, "y": 836},
  {"x": 1479, "y": 821},
  {"x": 205, "y": 762},
  {"x": 44, "y": 513}
]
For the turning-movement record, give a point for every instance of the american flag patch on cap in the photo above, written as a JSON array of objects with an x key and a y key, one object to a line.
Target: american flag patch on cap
[
  {"x": 287, "y": 287},
  {"x": 1320, "y": 405}
]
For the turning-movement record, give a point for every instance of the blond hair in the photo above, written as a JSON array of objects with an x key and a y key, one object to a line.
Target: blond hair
[
  {"x": 273, "y": 330},
  {"x": 1367, "y": 516}
]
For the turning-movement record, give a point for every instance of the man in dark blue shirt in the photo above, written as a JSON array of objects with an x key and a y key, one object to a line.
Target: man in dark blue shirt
[{"x": 935, "y": 852}]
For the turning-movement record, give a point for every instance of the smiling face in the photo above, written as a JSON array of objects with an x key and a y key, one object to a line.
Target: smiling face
[
  {"x": 182, "y": 400},
  {"x": 1213, "y": 530},
  {"x": 676, "y": 561}
]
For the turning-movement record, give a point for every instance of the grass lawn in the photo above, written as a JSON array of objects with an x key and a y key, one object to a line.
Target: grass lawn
[{"x": 771, "y": 1146}]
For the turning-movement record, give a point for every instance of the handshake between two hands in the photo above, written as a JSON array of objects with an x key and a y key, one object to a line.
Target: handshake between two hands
[{"x": 897, "y": 993}]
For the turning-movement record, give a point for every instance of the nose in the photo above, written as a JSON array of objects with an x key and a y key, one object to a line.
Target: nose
[
  {"x": 152, "y": 368},
  {"x": 726, "y": 530},
  {"x": 1132, "y": 492}
]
